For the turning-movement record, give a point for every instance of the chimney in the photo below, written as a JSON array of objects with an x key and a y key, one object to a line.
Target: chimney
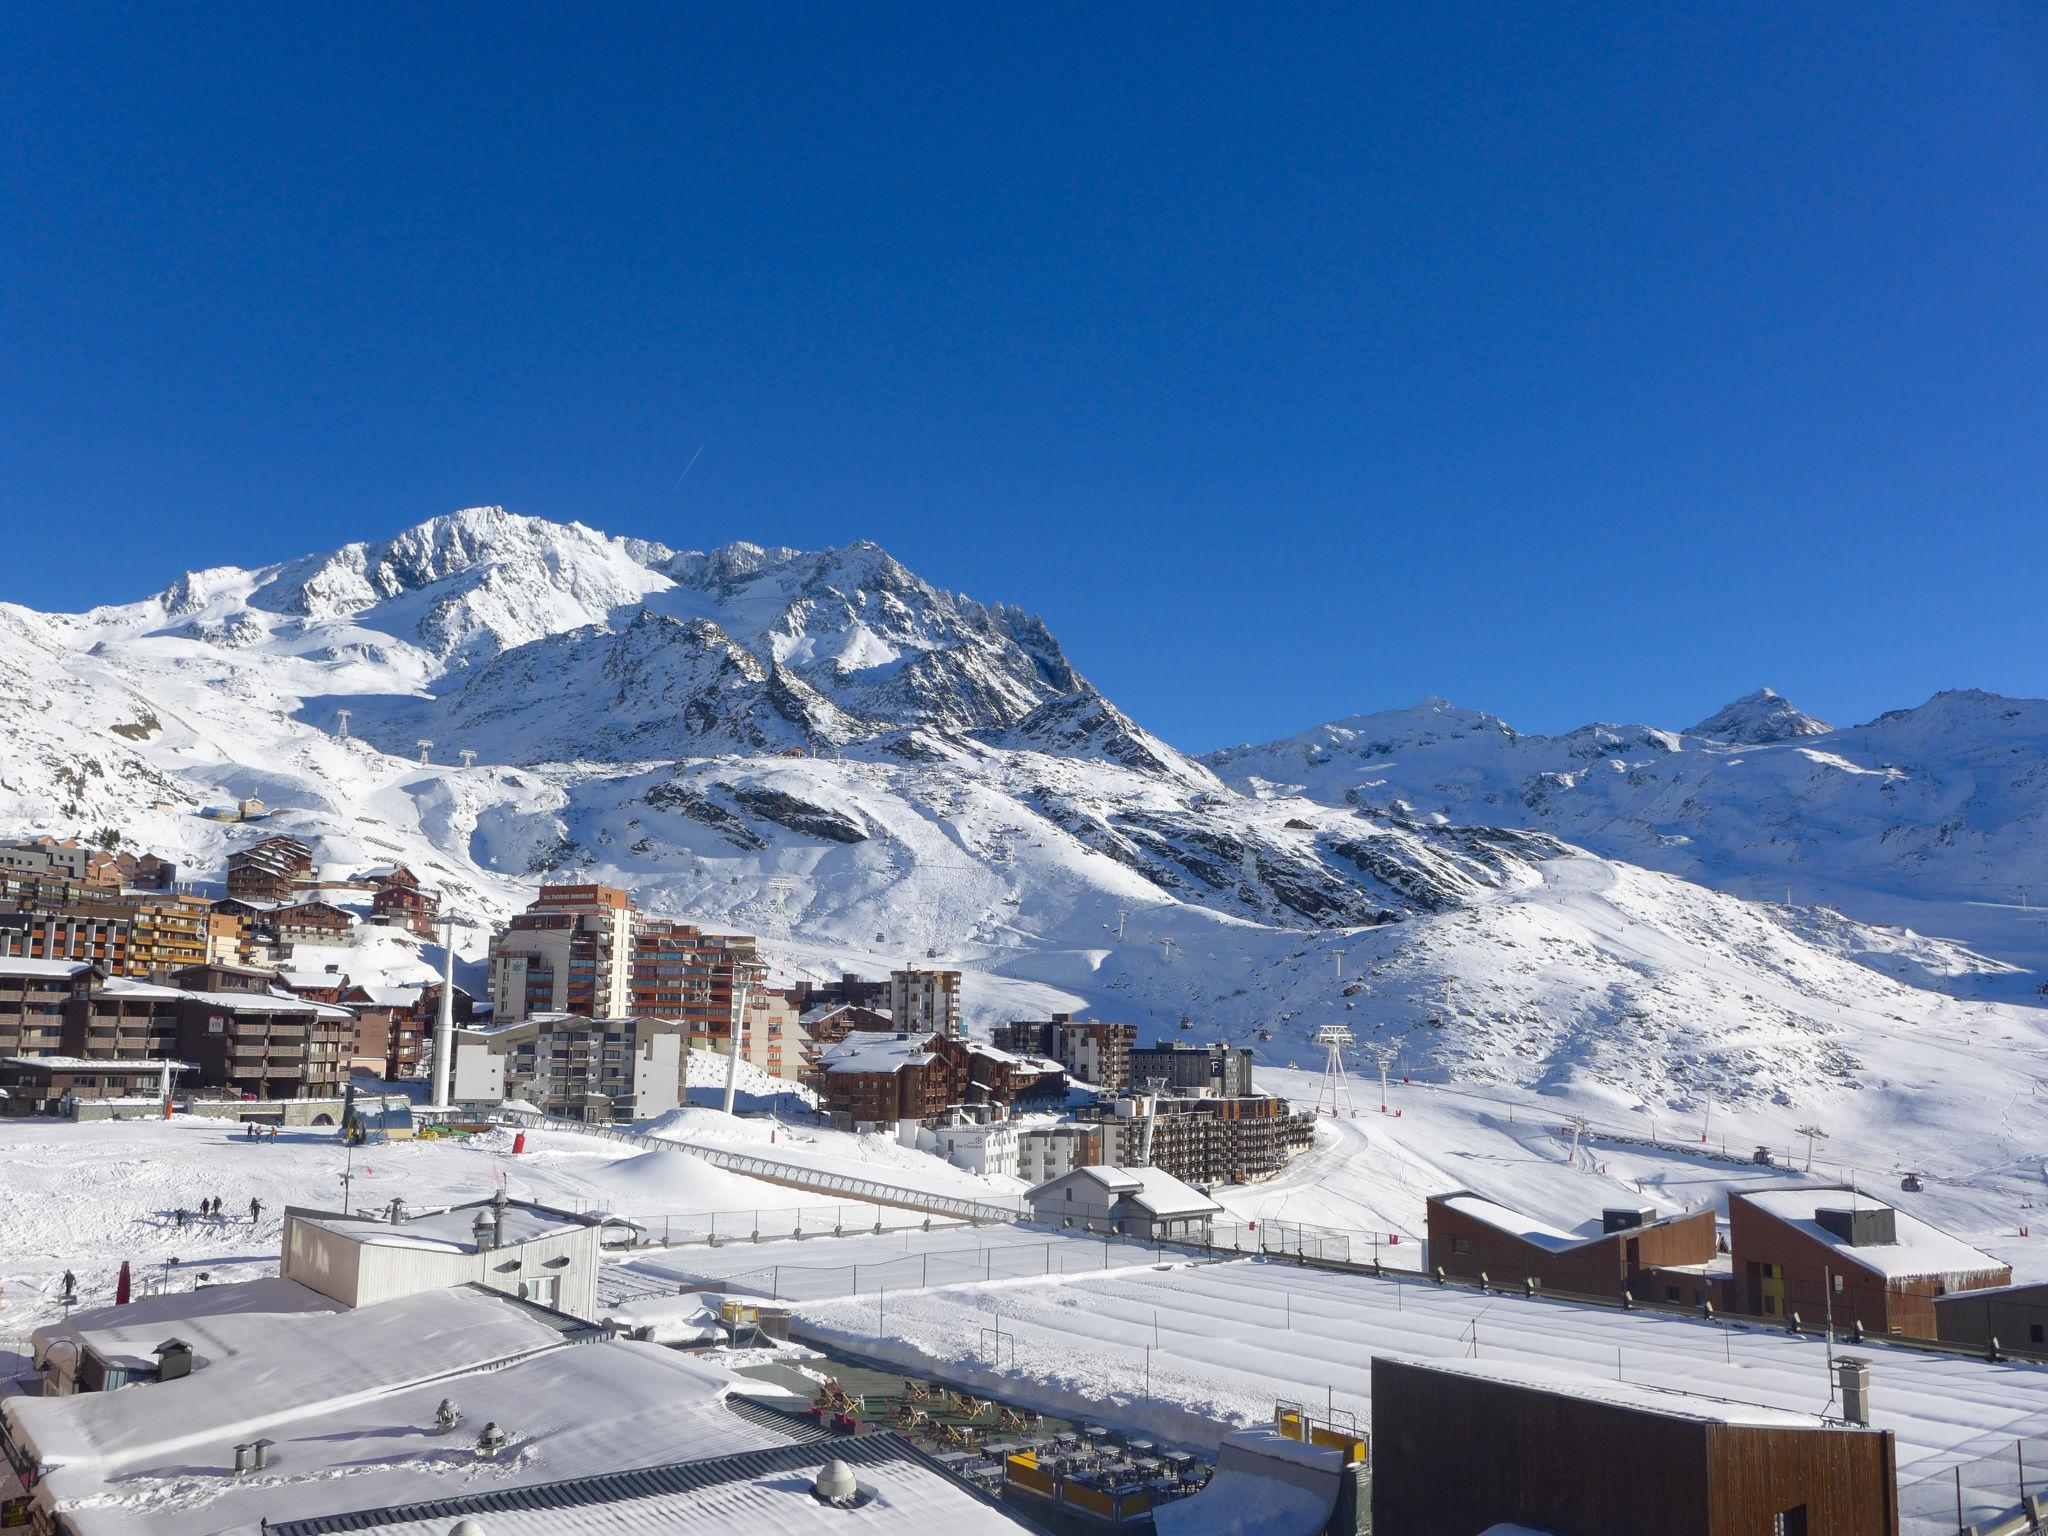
[
  {"x": 1852, "y": 1375},
  {"x": 483, "y": 1230},
  {"x": 262, "y": 1453},
  {"x": 173, "y": 1359},
  {"x": 244, "y": 1454}
]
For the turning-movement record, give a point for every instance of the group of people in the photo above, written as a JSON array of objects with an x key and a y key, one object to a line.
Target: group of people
[
  {"x": 253, "y": 1132},
  {"x": 210, "y": 1208}
]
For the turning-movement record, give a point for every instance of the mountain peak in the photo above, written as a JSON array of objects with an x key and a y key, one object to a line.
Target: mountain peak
[{"x": 1759, "y": 718}]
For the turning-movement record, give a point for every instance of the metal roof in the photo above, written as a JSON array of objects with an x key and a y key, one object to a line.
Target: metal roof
[{"x": 645, "y": 1482}]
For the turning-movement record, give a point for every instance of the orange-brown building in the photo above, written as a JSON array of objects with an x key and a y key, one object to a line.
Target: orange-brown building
[
  {"x": 1833, "y": 1253},
  {"x": 1652, "y": 1258}
]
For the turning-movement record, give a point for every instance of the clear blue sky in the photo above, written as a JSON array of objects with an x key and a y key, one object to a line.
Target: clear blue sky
[{"x": 1569, "y": 361}]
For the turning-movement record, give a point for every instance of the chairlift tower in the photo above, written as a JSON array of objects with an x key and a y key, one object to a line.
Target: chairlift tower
[
  {"x": 426, "y": 750},
  {"x": 1336, "y": 1081},
  {"x": 341, "y": 724},
  {"x": 468, "y": 756}
]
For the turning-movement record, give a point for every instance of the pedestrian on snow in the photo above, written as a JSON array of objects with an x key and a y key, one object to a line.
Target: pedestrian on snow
[
  {"x": 70, "y": 1285},
  {"x": 179, "y": 1213},
  {"x": 248, "y": 1130},
  {"x": 255, "y": 1212}
]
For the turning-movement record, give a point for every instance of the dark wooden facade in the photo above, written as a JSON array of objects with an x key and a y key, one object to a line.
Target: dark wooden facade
[
  {"x": 2015, "y": 1315},
  {"x": 1640, "y": 1260},
  {"x": 1456, "y": 1454}
]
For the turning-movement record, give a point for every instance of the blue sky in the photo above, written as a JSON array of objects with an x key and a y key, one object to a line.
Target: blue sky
[{"x": 1568, "y": 361}]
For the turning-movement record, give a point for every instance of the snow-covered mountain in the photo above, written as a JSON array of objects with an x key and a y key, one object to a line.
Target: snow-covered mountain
[
  {"x": 826, "y": 750},
  {"x": 1934, "y": 817}
]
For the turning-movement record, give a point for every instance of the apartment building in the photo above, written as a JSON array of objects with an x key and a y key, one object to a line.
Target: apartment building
[
  {"x": 1180, "y": 1068},
  {"x": 33, "y": 995},
  {"x": 239, "y": 1034},
  {"x": 1205, "y": 1139},
  {"x": 1090, "y": 1050},
  {"x": 64, "y": 859},
  {"x": 313, "y": 924},
  {"x": 570, "y": 952},
  {"x": 869, "y": 1077},
  {"x": 922, "y": 1000},
  {"x": 125, "y": 933},
  {"x": 270, "y": 870},
  {"x": 681, "y": 972},
  {"x": 577, "y": 1067}
]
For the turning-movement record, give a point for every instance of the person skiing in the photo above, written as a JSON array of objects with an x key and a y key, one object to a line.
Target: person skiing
[
  {"x": 255, "y": 1211},
  {"x": 179, "y": 1214}
]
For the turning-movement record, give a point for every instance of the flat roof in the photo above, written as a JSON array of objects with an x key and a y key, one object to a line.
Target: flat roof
[
  {"x": 570, "y": 1411},
  {"x": 218, "y": 1321},
  {"x": 1619, "y": 1394},
  {"x": 53, "y": 970},
  {"x": 765, "y": 1491},
  {"x": 449, "y": 1231}
]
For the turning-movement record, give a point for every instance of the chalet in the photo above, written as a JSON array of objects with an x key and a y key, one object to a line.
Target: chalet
[
  {"x": 1145, "y": 1203},
  {"x": 400, "y": 902},
  {"x": 1835, "y": 1254},
  {"x": 1632, "y": 1251},
  {"x": 829, "y": 1023},
  {"x": 313, "y": 923},
  {"x": 269, "y": 870},
  {"x": 873, "y": 1078}
]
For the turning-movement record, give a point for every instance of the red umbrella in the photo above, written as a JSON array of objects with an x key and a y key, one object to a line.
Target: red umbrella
[{"x": 121, "y": 1286}]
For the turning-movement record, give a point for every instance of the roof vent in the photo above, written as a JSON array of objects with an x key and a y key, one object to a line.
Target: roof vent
[
  {"x": 1618, "y": 1218},
  {"x": 835, "y": 1485},
  {"x": 465, "y": 1528},
  {"x": 491, "y": 1441},
  {"x": 1863, "y": 1227}
]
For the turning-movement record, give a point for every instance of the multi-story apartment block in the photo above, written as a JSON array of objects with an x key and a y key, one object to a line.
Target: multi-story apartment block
[
  {"x": 126, "y": 933},
  {"x": 1223, "y": 1070},
  {"x": 1090, "y": 1050},
  {"x": 577, "y": 1067},
  {"x": 239, "y": 1034},
  {"x": 33, "y": 995},
  {"x": 64, "y": 859},
  {"x": 313, "y": 924},
  {"x": 1047, "y": 1151},
  {"x": 925, "y": 1001},
  {"x": 270, "y": 870},
  {"x": 1205, "y": 1140},
  {"x": 682, "y": 972},
  {"x": 569, "y": 952}
]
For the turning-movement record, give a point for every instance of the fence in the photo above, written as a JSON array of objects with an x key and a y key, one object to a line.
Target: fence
[
  {"x": 776, "y": 1171},
  {"x": 1076, "y": 1254},
  {"x": 770, "y": 1224},
  {"x": 1990, "y": 1493}
]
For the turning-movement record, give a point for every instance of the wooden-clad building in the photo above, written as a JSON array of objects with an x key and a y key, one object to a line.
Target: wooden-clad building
[
  {"x": 1651, "y": 1257},
  {"x": 1463, "y": 1446},
  {"x": 1831, "y": 1253}
]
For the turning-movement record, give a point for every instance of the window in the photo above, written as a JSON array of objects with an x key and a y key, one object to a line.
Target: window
[
  {"x": 1838, "y": 1285},
  {"x": 1671, "y": 1293},
  {"x": 2034, "y": 1334},
  {"x": 547, "y": 1290},
  {"x": 1461, "y": 1245},
  {"x": 1789, "y": 1522}
]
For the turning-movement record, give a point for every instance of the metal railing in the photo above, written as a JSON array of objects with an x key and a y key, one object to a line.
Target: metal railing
[
  {"x": 2005, "y": 1492},
  {"x": 773, "y": 1171}
]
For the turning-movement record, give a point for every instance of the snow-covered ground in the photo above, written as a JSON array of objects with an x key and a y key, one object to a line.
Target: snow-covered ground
[
  {"x": 84, "y": 1197},
  {"x": 1183, "y": 1350}
]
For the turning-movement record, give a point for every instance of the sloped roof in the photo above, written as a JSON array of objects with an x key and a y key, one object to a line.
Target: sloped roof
[{"x": 1921, "y": 1249}]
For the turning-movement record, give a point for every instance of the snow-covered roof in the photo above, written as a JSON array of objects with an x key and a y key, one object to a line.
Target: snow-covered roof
[
  {"x": 95, "y": 1064},
  {"x": 875, "y": 1052},
  {"x": 452, "y": 1230},
  {"x": 1165, "y": 1196},
  {"x": 759, "y": 1494},
  {"x": 1621, "y": 1394},
  {"x": 1538, "y": 1234},
  {"x": 1921, "y": 1250},
  {"x": 287, "y": 1367},
  {"x": 570, "y": 1411},
  {"x": 218, "y": 1321},
  {"x": 48, "y": 970}
]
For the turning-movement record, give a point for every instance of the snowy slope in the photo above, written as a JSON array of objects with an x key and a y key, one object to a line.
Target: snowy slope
[
  {"x": 823, "y": 749},
  {"x": 1933, "y": 817}
]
